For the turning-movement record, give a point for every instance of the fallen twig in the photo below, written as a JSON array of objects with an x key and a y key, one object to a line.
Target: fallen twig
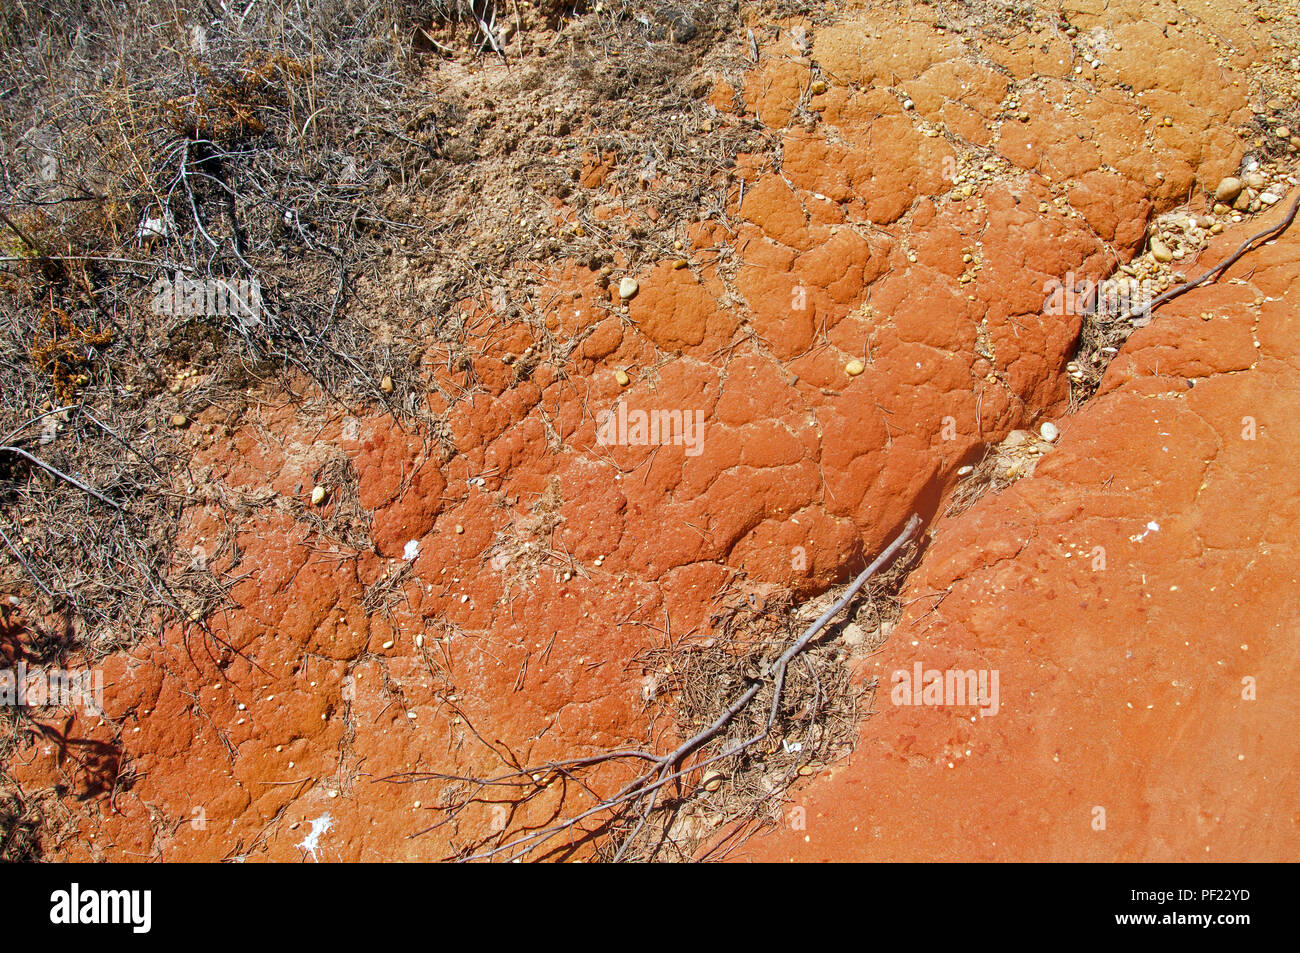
[
  {"x": 36, "y": 577},
  {"x": 1248, "y": 245},
  {"x": 641, "y": 793},
  {"x": 49, "y": 468}
]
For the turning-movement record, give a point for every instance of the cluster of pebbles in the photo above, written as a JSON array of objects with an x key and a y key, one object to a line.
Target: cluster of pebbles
[
  {"x": 972, "y": 173},
  {"x": 1182, "y": 235},
  {"x": 1258, "y": 187},
  {"x": 1018, "y": 454}
]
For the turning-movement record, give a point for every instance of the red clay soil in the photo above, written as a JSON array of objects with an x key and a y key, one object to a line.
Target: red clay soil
[
  {"x": 1137, "y": 596},
  {"x": 545, "y": 562}
]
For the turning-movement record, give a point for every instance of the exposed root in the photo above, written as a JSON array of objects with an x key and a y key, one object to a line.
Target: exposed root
[{"x": 627, "y": 814}]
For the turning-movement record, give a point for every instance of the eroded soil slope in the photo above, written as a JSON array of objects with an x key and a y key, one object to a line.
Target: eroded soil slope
[
  {"x": 859, "y": 321},
  {"x": 1137, "y": 596}
]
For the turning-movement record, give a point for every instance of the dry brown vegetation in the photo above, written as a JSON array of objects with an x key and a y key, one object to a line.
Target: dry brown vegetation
[
  {"x": 141, "y": 145},
  {"x": 296, "y": 147}
]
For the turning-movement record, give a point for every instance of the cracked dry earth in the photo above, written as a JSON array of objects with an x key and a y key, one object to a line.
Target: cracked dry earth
[{"x": 934, "y": 173}]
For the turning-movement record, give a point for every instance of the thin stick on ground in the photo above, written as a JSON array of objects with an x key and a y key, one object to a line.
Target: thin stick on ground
[
  {"x": 1214, "y": 273},
  {"x": 63, "y": 476},
  {"x": 639, "y": 795}
]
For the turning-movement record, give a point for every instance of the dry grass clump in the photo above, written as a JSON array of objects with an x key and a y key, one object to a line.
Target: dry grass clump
[
  {"x": 818, "y": 717},
  {"x": 816, "y": 724},
  {"x": 144, "y": 144},
  {"x": 20, "y": 829},
  {"x": 339, "y": 518}
]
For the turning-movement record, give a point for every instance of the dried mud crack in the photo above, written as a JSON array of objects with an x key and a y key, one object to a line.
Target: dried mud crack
[{"x": 443, "y": 435}]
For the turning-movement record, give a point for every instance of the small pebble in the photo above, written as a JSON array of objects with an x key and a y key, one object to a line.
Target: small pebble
[
  {"x": 1227, "y": 190},
  {"x": 622, "y": 378},
  {"x": 318, "y": 496},
  {"x": 854, "y": 367},
  {"x": 627, "y": 288},
  {"x": 1049, "y": 432}
]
